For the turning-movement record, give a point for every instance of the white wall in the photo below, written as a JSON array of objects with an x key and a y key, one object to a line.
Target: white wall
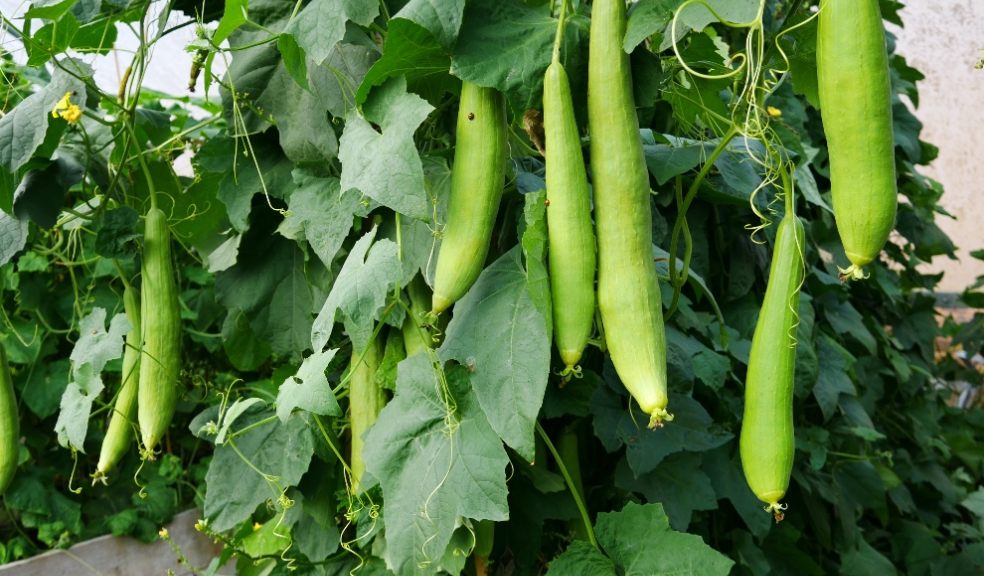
[
  {"x": 169, "y": 63},
  {"x": 944, "y": 40}
]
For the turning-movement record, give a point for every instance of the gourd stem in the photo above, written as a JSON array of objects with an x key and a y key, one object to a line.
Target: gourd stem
[
  {"x": 328, "y": 440},
  {"x": 559, "y": 37},
  {"x": 787, "y": 186},
  {"x": 122, "y": 273},
  {"x": 151, "y": 189}
]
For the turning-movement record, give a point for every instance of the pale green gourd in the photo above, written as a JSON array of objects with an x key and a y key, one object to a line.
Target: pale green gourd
[
  {"x": 767, "y": 443},
  {"x": 157, "y": 392},
  {"x": 477, "y": 179},
  {"x": 856, "y": 107},
  {"x": 628, "y": 293},
  {"x": 571, "y": 238}
]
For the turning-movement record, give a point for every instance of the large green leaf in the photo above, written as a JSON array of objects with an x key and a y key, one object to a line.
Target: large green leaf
[
  {"x": 321, "y": 24},
  {"x": 581, "y": 559},
  {"x": 44, "y": 385},
  {"x": 268, "y": 95},
  {"x": 245, "y": 350},
  {"x": 94, "y": 348},
  {"x": 359, "y": 292},
  {"x": 640, "y": 542},
  {"x": 498, "y": 332},
  {"x": 417, "y": 240},
  {"x": 247, "y": 168},
  {"x": 723, "y": 467},
  {"x": 697, "y": 15},
  {"x": 279, "y": 300},
  {"x": 412, "y": 52},
  {"x": 40, "y": 504},
  {"x": 383, "y": 163},
  {"x": 13, "y": 236},
  {"x": 692, "y": 429},
  {"x": 441, "y": 17},
  {"x": 309, "y": 389},
  {"x": 321, "y": 214},
  {"x": 506, "y": 44},
  {"x": 316, "y": 533},
  {"x": 866, "y": 561},
  {"x": 649, "y": 17},
  {"x": 23, "y": 129},
  {"x": 678, "y": 483},
  {"x": 833, "y": 378},
  {"x": 41, "y": 193},
  {"x": 437, "y": 460},
  {"x": 235, "y": 481},
  {"x": 534, "y": 242}
]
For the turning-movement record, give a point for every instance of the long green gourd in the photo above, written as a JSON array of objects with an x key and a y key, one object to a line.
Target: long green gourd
[
  {"x": 157, "y": 392},
  {"x": 9, "y": 425},
  {"x": 628, "y": 294},
  {"x": 856, "y": 107},
  {"x": 571, "y": 237},
  {"x": 477, "y": 179},
  {"x": 119, "y": 433},
  {"x": 767, "y": 443}
]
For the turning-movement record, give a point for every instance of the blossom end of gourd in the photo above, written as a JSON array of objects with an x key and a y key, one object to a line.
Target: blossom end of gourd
[
  {"x": 658, "y": 418},
  {"x": 852, "y": 272}
]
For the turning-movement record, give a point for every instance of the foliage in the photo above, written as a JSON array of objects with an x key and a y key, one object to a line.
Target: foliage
[{"x": 318, "y": 192}]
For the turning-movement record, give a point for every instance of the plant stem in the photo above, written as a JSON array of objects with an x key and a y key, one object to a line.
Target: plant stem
[
  {"x": 578, "y": 501},
  {"x": 681, "y": 221}
]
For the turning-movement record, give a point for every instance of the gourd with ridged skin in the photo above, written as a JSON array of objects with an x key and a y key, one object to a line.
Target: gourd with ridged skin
[
  {"x": 628, "y": 294},
  {"x": 477, "y": 179},
  {"x": 767, "y": 443},
  {"x": 856, "y": 107},
  {"x": 157, "y": 392}
]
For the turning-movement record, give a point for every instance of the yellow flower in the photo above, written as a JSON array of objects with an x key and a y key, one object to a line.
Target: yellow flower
[
  {"x": 66, "y": 110},
  {"x": 163, "y": 534},
  {"x": 773, "y": 111}
]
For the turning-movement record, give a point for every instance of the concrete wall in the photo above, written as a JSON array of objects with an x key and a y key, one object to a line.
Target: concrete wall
[
  {"x": 944, "y": 39},
  {"x": 113, "y": 556}
]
